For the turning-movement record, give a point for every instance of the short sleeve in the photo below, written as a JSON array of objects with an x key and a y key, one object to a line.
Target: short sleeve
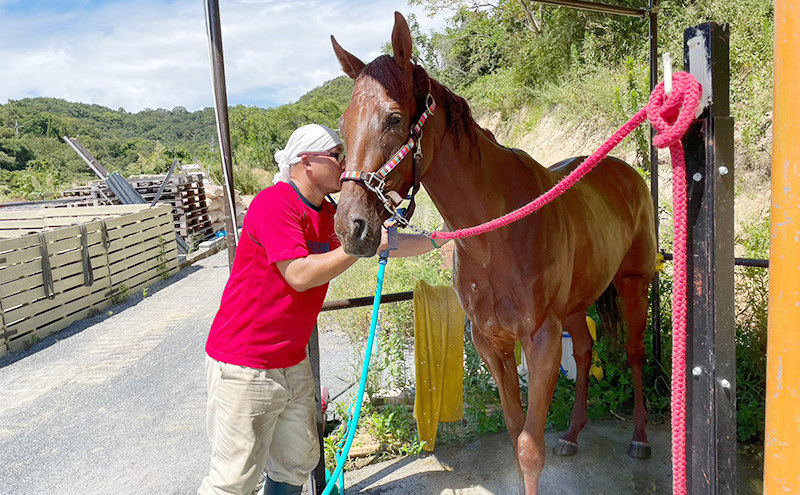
[
  {"x": 330, "y": 209},
  {"x": 275, "y": 220}
]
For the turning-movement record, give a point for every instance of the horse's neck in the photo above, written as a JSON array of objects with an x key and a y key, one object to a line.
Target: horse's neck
[{"x": 474, "y": 182}]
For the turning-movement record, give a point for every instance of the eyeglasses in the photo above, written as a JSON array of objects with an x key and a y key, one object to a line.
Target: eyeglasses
[{"x": 338, "y": 155}]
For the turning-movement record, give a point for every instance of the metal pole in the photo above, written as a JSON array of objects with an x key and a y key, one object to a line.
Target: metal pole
[
  {"x": 597, "y": 7},
  {"x": 655, "y": 297},
  {"x": 782, "y": 432},
  {"x": 358, "y": 302},
  {"x": 711, "y": 348},
  {"x": 316, "y": 478},
  {"x": 221, "y": 108}
]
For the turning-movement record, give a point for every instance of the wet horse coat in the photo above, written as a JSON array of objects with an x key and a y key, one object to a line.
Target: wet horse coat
[{"x": 523, "y": 282}]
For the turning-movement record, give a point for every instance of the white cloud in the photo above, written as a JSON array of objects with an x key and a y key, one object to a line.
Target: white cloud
[{"x": 154, "y": 53}]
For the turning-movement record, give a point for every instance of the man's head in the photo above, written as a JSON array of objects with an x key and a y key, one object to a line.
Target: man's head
[{"x": 308, "y": 142}]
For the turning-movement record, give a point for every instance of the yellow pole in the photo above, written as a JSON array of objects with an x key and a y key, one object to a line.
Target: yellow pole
[{"x": 782, "y": 436}]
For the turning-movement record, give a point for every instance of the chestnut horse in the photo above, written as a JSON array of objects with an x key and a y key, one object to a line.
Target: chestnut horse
[{"x": 522, "y": 282}]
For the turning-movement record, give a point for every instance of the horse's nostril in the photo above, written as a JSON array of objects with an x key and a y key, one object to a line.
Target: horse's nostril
[{"x": 360, "y": 229}]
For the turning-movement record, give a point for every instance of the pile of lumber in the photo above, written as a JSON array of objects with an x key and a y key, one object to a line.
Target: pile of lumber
[
  {"x": 215, "y": 202},
  {"x": 185, "y": 193}
]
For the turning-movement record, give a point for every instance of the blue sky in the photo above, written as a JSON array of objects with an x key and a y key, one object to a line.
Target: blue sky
[{"x": 139, "y": 54}]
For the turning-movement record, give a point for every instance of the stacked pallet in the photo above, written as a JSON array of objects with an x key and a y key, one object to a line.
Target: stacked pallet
[
  {"x": 185, "y": 193},
  {"x": 216, "y": 207},
  {"x": 58, "y": 266}
]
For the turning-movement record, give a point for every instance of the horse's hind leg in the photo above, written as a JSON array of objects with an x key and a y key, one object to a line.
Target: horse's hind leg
[
  {"x": 582, "y": 351},
  {"x": 633, "y": 290},
  {"x": 499, "y": 358}
]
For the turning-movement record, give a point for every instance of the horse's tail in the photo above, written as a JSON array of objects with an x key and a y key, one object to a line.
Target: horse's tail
[{"x": 612, "y": 323}]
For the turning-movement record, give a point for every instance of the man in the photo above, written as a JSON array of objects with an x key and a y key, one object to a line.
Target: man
[{"x": 261, "y": 401}]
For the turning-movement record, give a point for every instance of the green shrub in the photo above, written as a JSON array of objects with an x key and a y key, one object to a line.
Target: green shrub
[{"x": 752, "y": 293}]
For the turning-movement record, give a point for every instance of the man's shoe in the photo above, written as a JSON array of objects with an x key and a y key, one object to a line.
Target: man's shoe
[{"x": 275, "y": 488}]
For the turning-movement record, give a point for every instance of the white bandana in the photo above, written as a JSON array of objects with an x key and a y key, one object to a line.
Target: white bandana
[{"x": 311, "y": 137}]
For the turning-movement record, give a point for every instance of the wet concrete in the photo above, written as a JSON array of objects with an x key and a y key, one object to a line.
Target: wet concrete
[{"x": 486, "y": 466}]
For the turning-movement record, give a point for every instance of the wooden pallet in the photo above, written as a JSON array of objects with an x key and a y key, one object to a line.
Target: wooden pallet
[
  {"x": 185, "y": 193},
  {"x": 129, "y": 248}
]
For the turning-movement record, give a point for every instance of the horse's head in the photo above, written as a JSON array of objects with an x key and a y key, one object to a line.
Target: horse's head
[{"x": 383, "y": 117}]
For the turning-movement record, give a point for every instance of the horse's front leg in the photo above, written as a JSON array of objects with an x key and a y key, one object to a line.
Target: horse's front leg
[
  {"x": 543, "y": 352},
  {"x": 499, "y": 357}
]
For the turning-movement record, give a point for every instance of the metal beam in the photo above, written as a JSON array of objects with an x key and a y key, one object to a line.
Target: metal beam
[
  {"x": 597, "y": 7},
  {"x": 655, "y": 287},
  {"x": 358, "y": 302},
  {"x": 90, "y": 160},
  {"x": 756, "y": 263}
]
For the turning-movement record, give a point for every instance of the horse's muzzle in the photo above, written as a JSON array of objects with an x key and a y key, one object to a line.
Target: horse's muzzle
[{"x": 358, "y": 228}]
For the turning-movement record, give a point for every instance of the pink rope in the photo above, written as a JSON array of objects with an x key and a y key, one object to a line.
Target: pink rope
[{"x": 670, "y": 116}]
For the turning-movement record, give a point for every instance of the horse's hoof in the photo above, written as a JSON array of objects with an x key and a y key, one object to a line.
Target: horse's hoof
[
  {"x": 639, "y": 450},
  {"x": 565, "y": 448}
]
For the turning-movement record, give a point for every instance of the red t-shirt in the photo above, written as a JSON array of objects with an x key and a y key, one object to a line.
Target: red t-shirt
[{"x": 262, "y": 321}]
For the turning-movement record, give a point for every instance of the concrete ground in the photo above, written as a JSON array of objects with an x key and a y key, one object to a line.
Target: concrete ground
[
  {"x": 486, "y": 466},
  {"x": 115, "y": 405}
]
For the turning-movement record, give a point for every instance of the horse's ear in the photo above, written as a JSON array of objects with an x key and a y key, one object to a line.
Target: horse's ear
[
  {"x": 401, "y": 41},
  {"x": 351, "y": 65}
]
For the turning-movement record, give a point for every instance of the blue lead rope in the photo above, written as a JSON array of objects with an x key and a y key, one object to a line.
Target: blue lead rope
[{"x": 351, "y": 425}]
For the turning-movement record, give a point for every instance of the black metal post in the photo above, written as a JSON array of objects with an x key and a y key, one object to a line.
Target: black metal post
[
  {"x": 711, "y": 349},
  {"x": 221, "y": 107},
  {"x": 655, "y": 290},
  {"x": 317, "y": 476}
]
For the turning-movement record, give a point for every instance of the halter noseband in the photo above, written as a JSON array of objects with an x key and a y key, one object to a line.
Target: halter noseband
[{"x": 376, "y": 181}]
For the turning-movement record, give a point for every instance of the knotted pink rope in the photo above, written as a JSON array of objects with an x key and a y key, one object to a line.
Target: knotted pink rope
[{"x": 671, "y": 116}]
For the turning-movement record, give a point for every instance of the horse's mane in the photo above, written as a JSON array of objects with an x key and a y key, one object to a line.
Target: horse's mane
[{"x": 459, "y": 116}]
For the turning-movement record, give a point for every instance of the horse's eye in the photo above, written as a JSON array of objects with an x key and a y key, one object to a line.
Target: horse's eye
[{"x": 395, "y": 119}]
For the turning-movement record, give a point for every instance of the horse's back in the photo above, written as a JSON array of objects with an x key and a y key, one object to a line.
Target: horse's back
[
  {"x": 612, "y": 181},
  {"x": 616, "y": 206}
]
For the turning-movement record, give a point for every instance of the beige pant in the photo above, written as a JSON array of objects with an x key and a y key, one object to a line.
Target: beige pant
[{"x": 259, "y": 419}]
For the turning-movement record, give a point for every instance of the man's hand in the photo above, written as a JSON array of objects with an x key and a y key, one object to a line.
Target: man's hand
[{"x": 384, "y": 245}]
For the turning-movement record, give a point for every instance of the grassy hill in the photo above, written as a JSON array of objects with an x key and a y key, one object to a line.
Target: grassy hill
[{"x": 35, "y": 163}]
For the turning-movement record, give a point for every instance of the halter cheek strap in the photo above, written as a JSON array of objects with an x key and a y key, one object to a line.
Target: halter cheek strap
[{"x": 376, "y": 181}]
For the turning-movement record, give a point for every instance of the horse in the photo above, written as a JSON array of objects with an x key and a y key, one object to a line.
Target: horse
[{"x": 522, "y": 282}]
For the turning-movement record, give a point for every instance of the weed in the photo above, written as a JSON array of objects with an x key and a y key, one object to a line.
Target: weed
[
  {"x": 393, "y": 426},
  {"x": 31, "y": 341},
  {"x": 482, "y": 411},
  {"x": 163, "y": 266},
  {"x": 752, "y": 289},
  {"x": 120, "y": 294}
]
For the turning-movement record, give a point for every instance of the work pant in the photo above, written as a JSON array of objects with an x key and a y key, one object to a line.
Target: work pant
[{"x": 259, "y": 419}]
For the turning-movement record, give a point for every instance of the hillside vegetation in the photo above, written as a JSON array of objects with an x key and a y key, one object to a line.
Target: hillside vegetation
[{"x": 35, "y": 163}]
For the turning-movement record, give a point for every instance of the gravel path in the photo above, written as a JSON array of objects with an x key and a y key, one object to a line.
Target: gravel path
[{"x": 116, "y": 403}]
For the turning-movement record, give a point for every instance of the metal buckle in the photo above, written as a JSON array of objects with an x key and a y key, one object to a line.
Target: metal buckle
[
  {"x": 430, "y": 102},
  {"x": 373, "y": 182}
]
